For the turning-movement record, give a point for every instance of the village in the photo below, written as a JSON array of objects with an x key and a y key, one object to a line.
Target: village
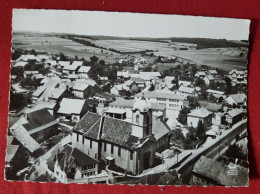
[{"x": 83, "y": 120}]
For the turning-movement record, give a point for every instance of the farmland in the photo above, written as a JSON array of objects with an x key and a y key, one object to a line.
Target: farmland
[{"x": 110, "y": 50}]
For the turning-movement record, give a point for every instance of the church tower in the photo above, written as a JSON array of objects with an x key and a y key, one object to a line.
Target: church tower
[{"x": 142, "y": 119}]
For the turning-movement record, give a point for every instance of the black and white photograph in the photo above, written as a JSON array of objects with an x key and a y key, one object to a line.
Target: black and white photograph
[{"x": 128, "y": 98}]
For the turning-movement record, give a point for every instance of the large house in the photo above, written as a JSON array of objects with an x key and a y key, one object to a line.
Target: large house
[
  {"x": 72, "y": 109},
  {"x": 187, "y": 91},
  {"x": 237, "y": 99},
  {"x": 124, "y": 107},
  {"x": 71, "y": 163},
  {"x": 233, "y": 116},
  {"x": 199, "y": 114},
  {"x": 238, "y": 77},
  {"x": 173, "y": 102},
  {"x": 128, "y": 145},
  {"x": 39, "y": 124}
]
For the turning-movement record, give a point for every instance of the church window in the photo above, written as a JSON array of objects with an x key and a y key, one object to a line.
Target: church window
[{"x": 137, "y": 119}]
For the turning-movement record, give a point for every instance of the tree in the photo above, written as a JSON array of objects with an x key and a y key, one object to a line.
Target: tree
[
  {"x": 17, "y": 101},
  {"x": 193, "y": 103},
  {"x": 63, "y": 57},
  {"x": 201, "y": 130},
  {"x": 93, "y": 59},
  {"x": 220, "y": 99},
  {"x": 182, "y": 118},
  {"x": 147, "y": 69},
  {"x": 102, "y": 62}
]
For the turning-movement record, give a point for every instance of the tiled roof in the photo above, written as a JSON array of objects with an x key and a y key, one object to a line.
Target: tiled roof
[
  {"x": 113, "y": 130},
  {"x": 70, "y": 154},
  {"x": 167, "y": 95},
  {"x": 38, "y": 118},
  {"x": 159, "y": 128},
  {"x": 20, "y": 64},
  {"x": 201, "y": 113},
  {"x": 213, "y": 72},
  {"x": 77, "y": 63},
  {"x": 71, "y": 106},
  {"x": 219, "y": 172}
]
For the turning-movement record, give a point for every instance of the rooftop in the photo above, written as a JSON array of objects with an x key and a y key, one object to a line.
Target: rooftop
[
  {"x": 84, "y": 69},
  {"x": 186, "y": 89},
  {"x": 219, "y": 172},
  {"x": 130, "y": 103},
  {"x": 156, "y": 94},
  {"x": 201, "y": 113},
  {"x": 71, "y": 106}
]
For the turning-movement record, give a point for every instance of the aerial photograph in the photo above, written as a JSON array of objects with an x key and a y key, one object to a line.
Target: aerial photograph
[{"x": 127, "y": 98}]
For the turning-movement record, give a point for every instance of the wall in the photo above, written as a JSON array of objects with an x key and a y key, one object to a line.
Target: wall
[{"x": 85, "y": 147}]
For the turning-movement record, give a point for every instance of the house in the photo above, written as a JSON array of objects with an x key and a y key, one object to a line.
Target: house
[
  {"x": 187, "y": 91},
  {"x": 200, "y": 74},
  {"x": 212, "y": 72},
  {"x": 70, "y": 69},
  {"x": 52, "y": 107},
  {"x": 84, "y": 71},
  {"x": 39, "y": 124},
  {"x": 169, "y": 79},
  {"x": 133, "y": 87},
  {"x": 199, "y": 114},
  {"x": 11, "y": 151},
  {"x": 127, "y": 106},
  {"x": 207, "y": 171},
  {"x": 37, "y": 93},
  {"x": 238, "y": 77},
  {"x": 51, "y": 63},
  {"x": 26, "y": 58},
  {"x": 208, "y": 79},
  {"x": 57, "y": 94},
  {"x": 127, "y": 145},
  {"x": 237, "y": 99},
  {"x": 62, "y": 64},
  {"x": 233, "y": 116},
  {"x": 123, "y": 75},
  {"x": 71, "y": 163},
  {"x": 25, "y": 139},
  {"x": 84, "y": 90},
  {"x": 42, "y": 57},
  {"x": 149, "y": 75},
  {"x": 141, "y": 83},
  {"x": 27, "y": 74},
  {"x": 216, "y": 93},
  {"x": 184, "y": 83},
  {"x": 37, "y": 77},
  {"x": 72, "y": 109},
  {"x": 120, "y": 90},
  {"x": 172, "y": 101},
  {"x": 20, "y": 64}
]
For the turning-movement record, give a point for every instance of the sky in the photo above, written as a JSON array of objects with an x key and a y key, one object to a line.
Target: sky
[{"x": 129, "y": 24}]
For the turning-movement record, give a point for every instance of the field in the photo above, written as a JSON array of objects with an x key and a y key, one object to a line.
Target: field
[
  {"x": 56, "y": 45},
  {"x": 222, "y": 58}
]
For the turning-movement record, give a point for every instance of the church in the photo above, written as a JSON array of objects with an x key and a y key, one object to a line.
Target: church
[{"x": 128, "y": 145}]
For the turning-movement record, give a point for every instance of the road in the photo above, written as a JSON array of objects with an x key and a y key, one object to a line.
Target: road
[{"x": 185, "y": 169}]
